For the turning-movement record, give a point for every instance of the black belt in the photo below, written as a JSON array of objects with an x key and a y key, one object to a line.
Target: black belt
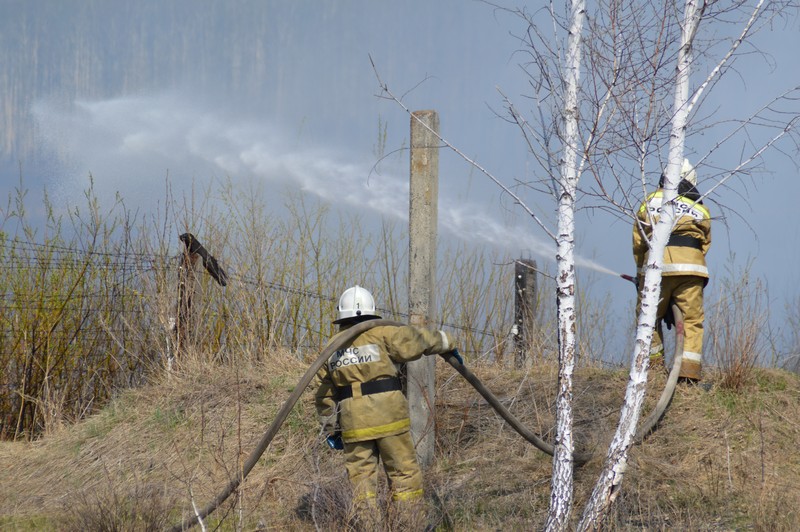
[
  {"x": 685, "y": 241},
  {"x": 368, "y": 388}
]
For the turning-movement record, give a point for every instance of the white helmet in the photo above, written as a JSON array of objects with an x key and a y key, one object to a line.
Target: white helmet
[
  {"x": 355, "y": 302},
  {"x": 688, "y": 172}
]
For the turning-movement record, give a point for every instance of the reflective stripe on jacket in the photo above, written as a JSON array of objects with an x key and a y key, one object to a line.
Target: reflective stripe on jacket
[
  {"x": 693, "y": 221},
  {"x": 373, "y": 355}
]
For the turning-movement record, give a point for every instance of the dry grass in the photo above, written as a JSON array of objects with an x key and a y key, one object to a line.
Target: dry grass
[
  {"x": 736, "y": 324},
  {"x": 88, "y": 305},
  {"x": 720, "y": 460}
]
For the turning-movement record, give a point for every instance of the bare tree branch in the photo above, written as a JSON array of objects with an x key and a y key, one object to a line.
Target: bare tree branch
[{"x": 385, "y": 89}]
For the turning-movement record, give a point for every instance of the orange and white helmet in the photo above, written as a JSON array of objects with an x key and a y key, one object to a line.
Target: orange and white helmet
[{"x": 355, "y": 302}]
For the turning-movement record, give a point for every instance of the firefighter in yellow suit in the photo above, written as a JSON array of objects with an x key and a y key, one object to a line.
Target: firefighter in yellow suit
[
  {"x": 359, "y": 397},
  {"x": 685, "y": 273}
]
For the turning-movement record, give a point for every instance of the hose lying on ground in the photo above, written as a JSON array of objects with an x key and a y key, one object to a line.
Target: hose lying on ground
[
  {"x": 342, "y": 342},
  {"x": 338, "y": 343},
  {"x": 579, "y": 458}
]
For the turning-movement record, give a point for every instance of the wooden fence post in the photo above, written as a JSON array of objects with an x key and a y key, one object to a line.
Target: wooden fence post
[
  {"x": 186, "y": 284},
  {"x": 524, "y": 309},
  {"x": 422, "y": 229},
  {"x": 193, "y": 252}
]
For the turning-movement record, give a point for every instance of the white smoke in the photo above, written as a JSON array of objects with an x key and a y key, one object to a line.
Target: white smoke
[{"x": 129, "y": 145}]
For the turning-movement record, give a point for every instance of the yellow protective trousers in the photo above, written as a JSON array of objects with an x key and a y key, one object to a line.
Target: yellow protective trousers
[
  {"x": 687, "y": 293},
  {"x": 407, "y": 511},
  {"x": 399, "y": 461}
]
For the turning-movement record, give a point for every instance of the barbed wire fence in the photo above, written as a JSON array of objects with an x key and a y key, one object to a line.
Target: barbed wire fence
[
  {"x": 128, "y": 269},
  {"x": 86, "y": 321}
]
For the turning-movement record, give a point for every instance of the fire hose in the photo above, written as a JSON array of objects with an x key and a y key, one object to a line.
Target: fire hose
[
  {"x": 344, "y": 340},
  {"x": 650, "y": 422}
]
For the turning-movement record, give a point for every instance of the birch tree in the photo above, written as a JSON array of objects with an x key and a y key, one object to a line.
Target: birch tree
[
  {"x": 695, "y": 12},
  {"x": 611, "y": 107},
  {"x": 607, "y": 486},
  {"x": 636, "y": 56},
  {"x": 561, "y": 482}
]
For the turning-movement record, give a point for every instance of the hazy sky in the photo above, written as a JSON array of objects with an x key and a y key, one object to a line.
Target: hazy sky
[{"x": 316, "y": 125}]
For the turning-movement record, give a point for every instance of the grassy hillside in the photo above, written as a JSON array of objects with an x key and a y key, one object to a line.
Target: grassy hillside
[{"x": 719, "y": 460}]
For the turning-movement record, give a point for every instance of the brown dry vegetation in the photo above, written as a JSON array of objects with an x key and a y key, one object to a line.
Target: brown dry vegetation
[
  {"x": 89, "y": 299},
  {"x": 720, "y": 460},
  {"x": 133, "y": 446}
]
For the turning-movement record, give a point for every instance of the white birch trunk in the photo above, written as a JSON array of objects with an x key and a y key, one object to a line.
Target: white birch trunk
[
  {"x": 562, "y": 480},
  {"x": 607, "y": 486}
]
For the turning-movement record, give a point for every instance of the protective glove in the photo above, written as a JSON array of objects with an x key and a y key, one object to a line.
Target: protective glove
[
  {"x": 457, "y": 356},
  {"x": 669, "y": 318},
  {"x": 335, "y": 442}
]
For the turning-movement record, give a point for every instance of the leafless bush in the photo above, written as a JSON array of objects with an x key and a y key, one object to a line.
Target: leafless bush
[
  {"x": 92, "y": 313},
  {"x": 329, "y": 506},
  {"x": 736, "y": 327},
  {"x": 116, "y": 507},
  {"x": 791, "y": 359}
]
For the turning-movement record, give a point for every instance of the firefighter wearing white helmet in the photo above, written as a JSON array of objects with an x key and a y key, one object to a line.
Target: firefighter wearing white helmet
[
  {"x": 685, "y": 273},
  {"x": 359, "y": 399},
  {"x": 353, "y": 303}
]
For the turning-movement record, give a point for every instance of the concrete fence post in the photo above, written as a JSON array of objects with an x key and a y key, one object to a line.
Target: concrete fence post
[
  {"x": 524, "y": 309},
  {"x": 422, "y": 229}
]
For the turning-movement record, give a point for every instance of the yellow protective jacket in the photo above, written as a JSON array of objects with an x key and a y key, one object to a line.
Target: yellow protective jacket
[
  {"x": 685, "y": 253},
  {"x": 372, "y": 356}
]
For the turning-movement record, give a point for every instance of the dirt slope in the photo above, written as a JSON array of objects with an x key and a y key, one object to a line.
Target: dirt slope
[{"x": 719, "y": 460}]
